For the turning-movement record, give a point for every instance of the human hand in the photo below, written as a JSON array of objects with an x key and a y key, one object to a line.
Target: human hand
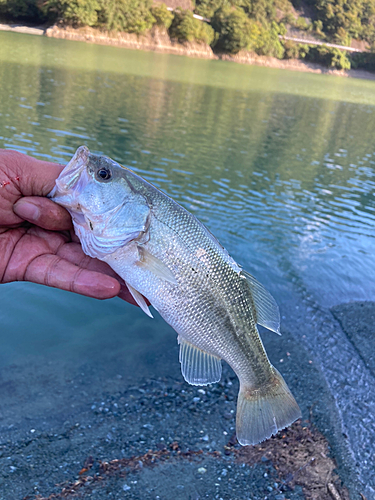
[{"x": 37, "y": 242}]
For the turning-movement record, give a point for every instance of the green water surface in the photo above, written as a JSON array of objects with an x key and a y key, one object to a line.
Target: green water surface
[{"x": 278, "y": 164}]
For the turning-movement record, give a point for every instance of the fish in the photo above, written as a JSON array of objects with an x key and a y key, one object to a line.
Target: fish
[{"x": 167, "y": 256}]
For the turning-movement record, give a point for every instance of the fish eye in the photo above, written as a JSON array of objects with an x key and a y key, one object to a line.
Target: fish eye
[{"x": 104, "y": 174}]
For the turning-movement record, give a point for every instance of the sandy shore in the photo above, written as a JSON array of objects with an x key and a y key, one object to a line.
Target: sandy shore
[{"x": 158, "y": 41}]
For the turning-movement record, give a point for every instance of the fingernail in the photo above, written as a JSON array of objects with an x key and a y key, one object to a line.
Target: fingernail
[
  {"x": 26, "y": 210},
  {"x": 96, "y": 285}
]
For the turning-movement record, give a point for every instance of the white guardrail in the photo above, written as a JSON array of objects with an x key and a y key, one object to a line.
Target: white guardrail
[
  {"x": 194, "y": 15},
  {"x": 316, "y": 42}
]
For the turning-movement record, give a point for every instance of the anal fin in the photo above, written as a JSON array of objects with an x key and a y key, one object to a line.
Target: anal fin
[{"x": 197, "y": 366}]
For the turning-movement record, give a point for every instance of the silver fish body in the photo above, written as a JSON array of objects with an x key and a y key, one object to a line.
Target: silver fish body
[{"x": 166, "y": 255}]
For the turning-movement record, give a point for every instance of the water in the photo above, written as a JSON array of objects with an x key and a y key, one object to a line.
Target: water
[
  {"x": 279, "y": 165},
  {"x": 291, "y": 170}
]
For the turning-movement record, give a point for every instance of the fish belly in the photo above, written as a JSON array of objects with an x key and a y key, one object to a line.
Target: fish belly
[{"x": 198, "y": 306}]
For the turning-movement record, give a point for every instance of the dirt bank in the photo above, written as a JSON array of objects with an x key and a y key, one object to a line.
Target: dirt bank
[{"x": 156, "y": 40}]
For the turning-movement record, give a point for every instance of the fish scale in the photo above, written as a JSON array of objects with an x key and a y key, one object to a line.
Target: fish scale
[
  {"x": 233, "y": 289},
  {"x": 166, "y": 255}
]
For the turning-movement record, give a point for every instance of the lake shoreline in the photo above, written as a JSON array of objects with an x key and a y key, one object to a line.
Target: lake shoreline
[{"x": 157, "y": 40}]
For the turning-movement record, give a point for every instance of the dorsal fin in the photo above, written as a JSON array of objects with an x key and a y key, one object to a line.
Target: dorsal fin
[
  {"x": 197, "y": 366},
  {"x": 267, "y": 311}
]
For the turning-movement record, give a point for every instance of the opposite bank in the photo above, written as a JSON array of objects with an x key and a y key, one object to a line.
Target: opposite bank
[{"x": 158, "y": 40}]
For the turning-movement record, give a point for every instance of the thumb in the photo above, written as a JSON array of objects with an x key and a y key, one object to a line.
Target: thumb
[
  {"x": 34, "y": 177},
  {"x": 43, "y": 212}
]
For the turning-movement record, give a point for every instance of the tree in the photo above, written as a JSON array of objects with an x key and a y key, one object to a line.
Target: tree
[
  {"x": 269, "y": 43},
  {"x": 162, "y": 15},
  {"x": 235, "y": 30},
  {"x": 186, "y": 28},
  {"x": 132, "y": 16},
  {"x": 260, "y": 10},
  {"x": 207, "y": 8},
  {"x": 75, "y": 12},
  {"x": 21, "y": 9}
]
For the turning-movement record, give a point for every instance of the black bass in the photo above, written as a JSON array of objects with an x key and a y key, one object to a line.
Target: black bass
[{"x": 166, "y": 255}]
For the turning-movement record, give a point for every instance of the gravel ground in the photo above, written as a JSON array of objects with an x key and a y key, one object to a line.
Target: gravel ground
[
  {"x": 124, "y": 437},
  {"x": 162, "y": 439}
]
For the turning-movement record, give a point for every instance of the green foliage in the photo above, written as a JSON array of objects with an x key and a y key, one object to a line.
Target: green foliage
[
  {"x": 364, "y": 60},
  {"x": 318, "y": 27},
  {"x": 235, "y": 30},
  {"x": 347, "y": 18},
  {"x": 321, "y": 54},
  {"x": 294, "y": 50},
  {"x": 186, "y": 28},
  {"x": 132, "y": 16},
  {"x": 303, "y": 49},
  {"x": 342, "y": 37},
  {"x": 281, "y": 28},
  {"x": 206, "y": 33},
  {"x": 290, "y": 50},
  {"x": 268, "y": 43},
  {"x": 329, "y": 56},
  {"x": 21, "y": 9},
  {"x": 162, "y": 15},
  {"x": 75, "y": 12},
  {"x": 339, "y": 59},
  {"x": 207, "y": 8},
  {"x": 261, "y": 10},
  {"x": 289, "y": 19},
  {"x": 302, "y": 24}
]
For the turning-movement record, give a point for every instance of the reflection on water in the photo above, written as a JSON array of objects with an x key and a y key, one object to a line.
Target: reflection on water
[{"x": 279, "y": 166}]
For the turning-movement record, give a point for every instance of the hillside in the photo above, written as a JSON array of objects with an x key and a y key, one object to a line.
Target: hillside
[{"x": 230, "y": 26}]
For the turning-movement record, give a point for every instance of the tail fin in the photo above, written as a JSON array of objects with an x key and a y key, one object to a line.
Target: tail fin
[{"x": 261, "y": 413}]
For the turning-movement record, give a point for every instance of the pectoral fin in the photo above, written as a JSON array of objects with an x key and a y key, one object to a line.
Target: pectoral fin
[
  {"x": 139, "y": 300},
  {"x": 266, "y": 309},
  {"x": 197, "y": 366},
  {"x": 155, "y": 265}
]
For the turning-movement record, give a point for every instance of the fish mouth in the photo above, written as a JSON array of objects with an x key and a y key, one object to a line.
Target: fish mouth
[{"x": 72, "y": 181}]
